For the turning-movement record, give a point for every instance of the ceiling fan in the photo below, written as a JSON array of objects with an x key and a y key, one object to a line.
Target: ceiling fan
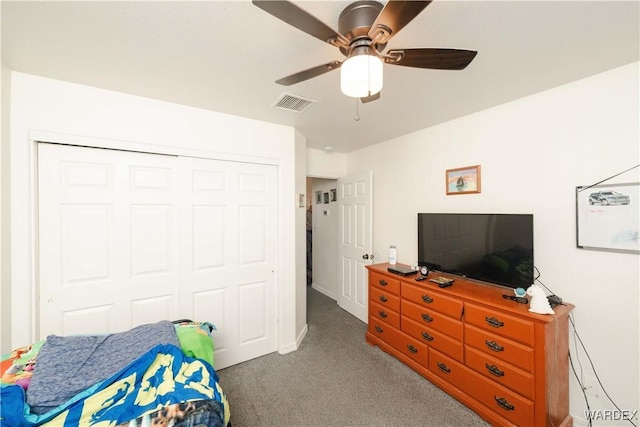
[{"x": 364, "y": 29}]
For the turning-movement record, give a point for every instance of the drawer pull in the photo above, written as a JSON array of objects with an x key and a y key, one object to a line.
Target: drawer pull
[
  {"x": 494, "y": 346},
  {"x": 427, "y": 299},
  {"x": 426, "y": 336},
  {"x": 382, "y": 314},
  {"x": 502, "y": 402},
  {"x": 492, "y": 321},
  {"x": 493, "y": 369},
  {"x": 443, "y": 368},
  {"x": 383, "y": 282},
  {"x": 383, "y": 298},
  {"x": 412, "y": 349},
  {"x": 379, "y": 329},
  {"x": 427, "y": 318}
]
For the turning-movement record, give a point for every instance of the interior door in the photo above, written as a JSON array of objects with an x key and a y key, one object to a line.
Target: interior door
[
  {"x": 355, "y": 245},
  {"x": 107, "y": 239},
  {"x": 228, "y": 254}
]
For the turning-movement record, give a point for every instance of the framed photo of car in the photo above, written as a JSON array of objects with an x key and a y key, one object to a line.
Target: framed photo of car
[{"x": 607, "y": 217}]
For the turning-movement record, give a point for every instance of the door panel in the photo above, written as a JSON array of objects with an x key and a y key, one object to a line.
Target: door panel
[
  {"x": 107, "y": 238},
  {"x": 228, "y": 250},
  {"x": 355, "y": 247}
]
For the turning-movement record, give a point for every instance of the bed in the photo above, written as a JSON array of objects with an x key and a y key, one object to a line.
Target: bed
[{"x": 158, "y": 374}]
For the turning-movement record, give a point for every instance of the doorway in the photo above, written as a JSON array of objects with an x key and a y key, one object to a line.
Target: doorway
[{"x": 322, "y": 210}]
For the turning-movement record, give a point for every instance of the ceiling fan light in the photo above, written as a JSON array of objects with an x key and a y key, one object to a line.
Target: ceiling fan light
[{"x": 361, "y": 76}]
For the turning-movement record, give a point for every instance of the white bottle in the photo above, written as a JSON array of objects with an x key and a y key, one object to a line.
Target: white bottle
[{"x": 393, "y": 255}]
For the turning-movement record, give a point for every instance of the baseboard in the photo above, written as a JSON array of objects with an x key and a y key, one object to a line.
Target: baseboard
[
  {"x": 294, "y": 346},
  {"x": 324, "y": 292}
]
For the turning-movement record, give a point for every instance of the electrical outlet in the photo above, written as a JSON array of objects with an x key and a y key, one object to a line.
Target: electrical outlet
[{"x": 590, "y": 385}]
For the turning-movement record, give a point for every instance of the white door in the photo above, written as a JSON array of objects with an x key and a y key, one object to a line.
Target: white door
[
  {"x": 129, "y": 238},
  {"x": 355, "y": 246},
  {"x": 228, "y": 254},
  {"x": 107, "y": 239}
]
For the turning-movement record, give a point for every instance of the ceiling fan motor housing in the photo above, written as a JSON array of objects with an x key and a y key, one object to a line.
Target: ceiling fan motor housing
[
  {"x": 356, "y": 19},
  {"x": 365, "y": 28}
]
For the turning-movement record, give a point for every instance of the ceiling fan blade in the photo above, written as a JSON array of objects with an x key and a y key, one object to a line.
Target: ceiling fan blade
[
  {"x": 308, "y": 74},
  {"x": 370, "y": 98},
  {"x": 393, "y": 17},
  {"x": 296, "y": 17},
  {"x": 438, "y": 59}
]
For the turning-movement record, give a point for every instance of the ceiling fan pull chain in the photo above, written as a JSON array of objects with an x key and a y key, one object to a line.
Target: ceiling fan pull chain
[{"x": 357, "y": 117}]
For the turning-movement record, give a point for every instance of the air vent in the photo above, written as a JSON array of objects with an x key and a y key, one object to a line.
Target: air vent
[{"x": 291, "y": 102}]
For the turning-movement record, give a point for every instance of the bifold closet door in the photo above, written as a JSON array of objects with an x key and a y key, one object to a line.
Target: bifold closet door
[
  {"x": 107, "y": 228},
  {"x": 228, "y": 250}
]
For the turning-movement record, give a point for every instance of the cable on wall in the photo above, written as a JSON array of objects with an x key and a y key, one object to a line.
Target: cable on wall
[
  {"x": 607, "y": 179},
  {"x": 580, "y": 378}
]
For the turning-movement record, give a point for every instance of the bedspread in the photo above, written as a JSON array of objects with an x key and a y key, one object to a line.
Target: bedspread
[
  {"x": 163, "y": 376},
  {"x": 67, "y": 365}
]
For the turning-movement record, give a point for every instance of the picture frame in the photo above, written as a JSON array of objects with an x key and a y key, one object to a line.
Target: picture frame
[
  {"x": 464, "y": 180},
  {"x": 326, "y": 197},
  {"x": 318, "y": 197},
  {"x": 334, "y": 195},
  {"x": 607, "y": 217}
]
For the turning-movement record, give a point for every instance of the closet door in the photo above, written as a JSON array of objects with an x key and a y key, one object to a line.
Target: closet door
[
  {"x": 228, "y": 250},
  {"x": 107, "y": 234}
]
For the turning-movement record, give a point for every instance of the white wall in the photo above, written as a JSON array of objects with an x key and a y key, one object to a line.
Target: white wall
[
  {"x": 301, "y": 237},
  {"x": 533, "y": 153},
  {"x": 325, "y": 239},
  {"x": 5, "y": 250},
  {"x": 323, "y": 164},
  {"x": 53, "y": 110}
]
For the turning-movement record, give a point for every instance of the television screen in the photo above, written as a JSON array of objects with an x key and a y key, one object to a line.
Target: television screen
[{"x": 496, "y": 248}]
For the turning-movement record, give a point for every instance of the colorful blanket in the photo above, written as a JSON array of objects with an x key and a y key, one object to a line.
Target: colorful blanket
[{"x": 161, "y": 377}]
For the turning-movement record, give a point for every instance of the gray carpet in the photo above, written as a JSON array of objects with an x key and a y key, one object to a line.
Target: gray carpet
[{"x": 336, "y": 379}]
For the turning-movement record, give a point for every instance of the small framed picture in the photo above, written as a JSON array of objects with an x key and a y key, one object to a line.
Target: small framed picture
[
  {"x": 463, "y": 180},
  {"x": 318, "y": 197},
  {"x": 334, "y": 195},
  {"x": 326, "y": 197}
]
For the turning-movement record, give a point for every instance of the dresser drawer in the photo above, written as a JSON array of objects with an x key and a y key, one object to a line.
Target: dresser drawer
[
  {"x": 382, "y": 330},
  {"x": 378, "y": 281},
  {"x": 436, "y": 321},
  {"x": 499, "y": 347},
  {"x": 433, "y": 338},
  {"x": 448, "y": 369},
  {"x": 502, "y": 401},
  {"x": 501, "y": 372},
  {"x": 500, "y": 323},
  {"x": 384, "y": 314},
  {"x": 433, "y": 300},
  {"x": 412, "y": 348},
  {"x": 384, "y": 298}
]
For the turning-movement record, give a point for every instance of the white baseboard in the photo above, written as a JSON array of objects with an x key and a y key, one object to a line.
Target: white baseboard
[
  {"x": 324, "y": 291},
  {"x": 294, "y": 346}
]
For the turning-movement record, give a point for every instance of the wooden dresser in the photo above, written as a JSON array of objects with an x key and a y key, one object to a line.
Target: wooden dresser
[{"x": 508, "y": 365}]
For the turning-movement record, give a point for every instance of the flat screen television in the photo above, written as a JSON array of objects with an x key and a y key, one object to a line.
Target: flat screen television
[{"x": 495, "y": 248}]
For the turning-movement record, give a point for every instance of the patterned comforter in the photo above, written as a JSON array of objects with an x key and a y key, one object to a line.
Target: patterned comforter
[{"x": 161, "y": 387}]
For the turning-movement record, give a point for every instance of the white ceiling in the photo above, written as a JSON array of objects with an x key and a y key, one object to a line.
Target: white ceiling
[{"x": 225, "y": 56}]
